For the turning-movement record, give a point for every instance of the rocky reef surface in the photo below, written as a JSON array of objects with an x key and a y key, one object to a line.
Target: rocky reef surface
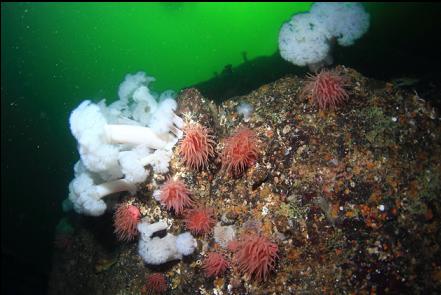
[{"x": 350, "y": 196}]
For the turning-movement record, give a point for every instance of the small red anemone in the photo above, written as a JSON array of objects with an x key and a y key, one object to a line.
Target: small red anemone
[
  {"x": 255, "y": 256},
  {"x": 199, "y": 220},
  {"x": 197, "y": 146},
  {"x": 175, "y": 195},
  {"x": 240, "y": 151},
  {"x": 215, "y": 264},
  {"x": 125, "y": 220}
]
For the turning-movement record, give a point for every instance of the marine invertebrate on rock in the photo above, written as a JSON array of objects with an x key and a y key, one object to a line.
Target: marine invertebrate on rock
[
  {"x": 133, "y": 162},
  {"x": 158, "y": 250},
  {"x": 119, "y": 140},
  {"x": 245, "y": 109},
  {"x": 255, "y": 256},
  {"x": 197, "y": 146},
  {"x": 345, "y": 21},
  {"x": 240, "y": 151},
  {"x": 99, "y": 142},
  {"x": 86, "y": 196},
  {"x": 304, "y": 40},
  {"x": 214, "y": 264},
  {"x": 308, "y": 37},
  {"x": 125, "y": 220},
  {"x": 199, "y": 220},
  {"x": 224, "y": 234},
  {"x": 327, "y": 88},
  {"x": 175, "y": 195},
  {"x": 185, "y": 243},
  {"x": 156, "y": 284}
]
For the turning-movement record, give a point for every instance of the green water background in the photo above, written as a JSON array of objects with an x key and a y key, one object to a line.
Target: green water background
[{"x": 56, "y": 55}]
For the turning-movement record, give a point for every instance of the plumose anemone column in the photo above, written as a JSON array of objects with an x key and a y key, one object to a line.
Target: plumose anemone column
[
  {"x": 87, "y": 197},
  {"x": 133, "y": 135}
]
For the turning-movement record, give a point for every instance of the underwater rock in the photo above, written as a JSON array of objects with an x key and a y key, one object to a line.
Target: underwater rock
[{"x": 350, "y": 197}]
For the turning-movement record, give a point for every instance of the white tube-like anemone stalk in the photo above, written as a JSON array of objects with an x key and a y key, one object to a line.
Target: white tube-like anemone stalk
[
  {"x": 86, "y": 196},
  {"x": 133, "y": 135}
]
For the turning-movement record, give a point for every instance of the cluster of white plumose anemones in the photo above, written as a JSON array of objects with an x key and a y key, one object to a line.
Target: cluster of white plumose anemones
[
  {"x": 116, "y": 142},
  {"x": 306, "y": 39}
]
